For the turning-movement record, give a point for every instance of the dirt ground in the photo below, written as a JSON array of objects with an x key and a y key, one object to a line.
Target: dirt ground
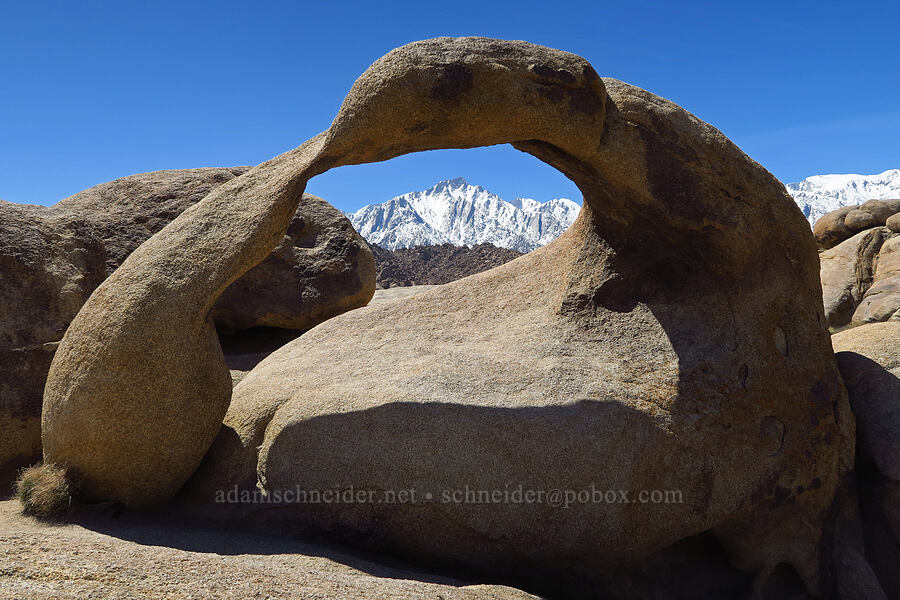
[{"x": 104, "y": 555}]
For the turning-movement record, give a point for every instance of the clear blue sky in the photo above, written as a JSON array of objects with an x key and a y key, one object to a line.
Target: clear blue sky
[{"x": 92, "y": 91}]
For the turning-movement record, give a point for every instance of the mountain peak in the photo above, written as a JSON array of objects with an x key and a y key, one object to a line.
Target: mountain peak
[
  {"x": 821, "y": 194},
  {"x": 454, "y": 184},
  {"x": 455, "y": 211}
]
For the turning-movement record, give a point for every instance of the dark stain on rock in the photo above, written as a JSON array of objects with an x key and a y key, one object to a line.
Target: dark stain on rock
[
  {"x": 581, "y": 99},
  {"x": 586, "y": 100},
  {"x": 820, "y": 403},
  {"x": 560, "y": 75},
  {"x": 559, "y": 85},
  {"x": 589, "y": 74},
  {"x": 417, "y": 128},
  {"x": 671, "y": 182},
  {"x": 783, "y": 496},
  {"x": 454, "y": 81},
  {"x": 703, "y": 491},
  {"x": 553, "y": 93}
]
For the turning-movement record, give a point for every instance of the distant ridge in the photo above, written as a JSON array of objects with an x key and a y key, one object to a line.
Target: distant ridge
[
  {"x": 821, "y": 194},
  {"x": 457, "y": 212}
]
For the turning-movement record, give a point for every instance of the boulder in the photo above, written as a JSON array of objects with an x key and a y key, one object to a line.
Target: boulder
[
  {"x": 321, "y": 268},
  {"x": 846, "y": 271},
  {"x": 881, "y": 210},
  {"x": 869, "y": 359},
  {"x": 480, "y": 419},
  {"x": 52, "y": 259},
  {"x": 857, "y": 220},
  {"x": 882, "y": 298},
  {"x": 841, "y": 224},
  {"x": 830, "y": 230},
  {"x": 893, "y": 223},
  {"x": 127, "y": 211},
  {"x": 48, "y": 268}
]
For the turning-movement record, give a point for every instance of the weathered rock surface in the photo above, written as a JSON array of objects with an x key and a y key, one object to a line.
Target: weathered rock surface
[
  {"x": 688, "y": 358},
  {"x": 869, "y": 359},
  {"x": 131, "y": 557},
  {"x": 847, "y": 271},
  {"x": 861, "y": 278},
  {"x": 48, "y": 268},
  {"x": 321, "y": 269},
  {"x": 882, "y": 299},
  {"x": 398, "y": 293},
  {"x": 51, "y": 259},
  {"x": 843, "y": 223},
  {"x": 125, "y": 212},
  {"x": 893, "y": 223}
]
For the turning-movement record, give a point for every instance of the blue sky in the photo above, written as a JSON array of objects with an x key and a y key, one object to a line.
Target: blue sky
[{"x": 92, "y": 91}]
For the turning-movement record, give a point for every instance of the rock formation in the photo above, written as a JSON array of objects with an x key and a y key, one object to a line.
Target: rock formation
[
  {"x": 869, "y": 359},
  {"x": 152, "y": 557},
  {"x": 847, "y": 271},
  {"x": 686, "y": 357},
  {"x": 48, "y": 268},
  {"x": 882, "y": 299},
  {"x": 52, "y": 259},
  {"x": 860, "y": 269},
  {"x": 893, "y": 223},
  {"x": 321, "y": 269},
  {"x": 843, "y": 223}
]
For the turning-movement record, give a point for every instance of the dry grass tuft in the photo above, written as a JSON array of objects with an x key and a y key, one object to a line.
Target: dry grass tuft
[{"x": 45, "y": 491}]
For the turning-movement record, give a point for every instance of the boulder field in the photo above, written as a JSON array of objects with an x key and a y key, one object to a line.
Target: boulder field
[
  {"x": 687, "y": 357},
  {"x": 52, "y": 259}
]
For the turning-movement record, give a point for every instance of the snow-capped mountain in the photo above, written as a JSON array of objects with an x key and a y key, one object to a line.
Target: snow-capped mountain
[
  {"x": 462, "y": 214},
  {"x": 822, "y": 194}
]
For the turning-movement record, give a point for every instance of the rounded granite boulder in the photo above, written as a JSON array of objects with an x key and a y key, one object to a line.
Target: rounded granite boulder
[
  {"x": 869, "y": 359},
  {"x": 841, "y": 224},
  {"x": 53, "y": 258}
]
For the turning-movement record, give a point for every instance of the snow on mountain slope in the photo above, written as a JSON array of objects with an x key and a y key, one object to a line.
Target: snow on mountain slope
[
  {"x": 456, "y": 212},
  {"x": 822, "y": 194},
  {"x": 462, "y": 214}
]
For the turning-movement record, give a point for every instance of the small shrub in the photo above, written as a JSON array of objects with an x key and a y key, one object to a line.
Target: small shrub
[{"x": 44, "y": 490}]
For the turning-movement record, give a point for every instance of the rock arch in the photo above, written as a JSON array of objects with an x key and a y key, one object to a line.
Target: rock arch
[{"x": 689, "y": 284}]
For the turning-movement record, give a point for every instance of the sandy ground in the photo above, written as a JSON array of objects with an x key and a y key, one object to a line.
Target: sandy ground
[{"x": 102, "y": 555}]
